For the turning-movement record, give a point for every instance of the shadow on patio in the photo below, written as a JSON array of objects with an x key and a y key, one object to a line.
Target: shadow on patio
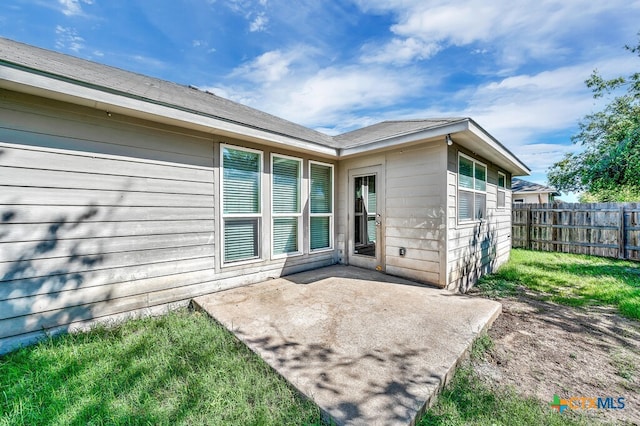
[{"x": 368, "y": 348}]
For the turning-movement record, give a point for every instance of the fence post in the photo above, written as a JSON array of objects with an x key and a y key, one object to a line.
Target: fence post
[
  {"x": 622, "y": 254},
  {"x": 528, "y": 228},
  {"x": 554, "y": 229}
]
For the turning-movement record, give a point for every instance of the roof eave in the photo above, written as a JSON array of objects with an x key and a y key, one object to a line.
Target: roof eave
[
  {"x": 24, "y": 81},
  {"x": 496, "y": 152},
  {"x": 554, "y": 193},
  {"x": 40, "y": 83},
  {"x": 481, "y": 143},
  {"x": 402, "y": 140}
]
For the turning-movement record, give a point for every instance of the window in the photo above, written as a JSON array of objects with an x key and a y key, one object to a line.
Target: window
[
  {"x": 286, "y": 175},
  {"x": 472, "y": 189},
  {"x": 321, "y": 206},
  {"x": 502, "y": 193},
  {"x": 241, "y": 203}
]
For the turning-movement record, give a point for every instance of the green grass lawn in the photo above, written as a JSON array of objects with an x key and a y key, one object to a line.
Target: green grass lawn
[
  {"x": 467, "y": 400},
  {"x": 569, "y": 279},
  {"x": 178, "y": 369}
]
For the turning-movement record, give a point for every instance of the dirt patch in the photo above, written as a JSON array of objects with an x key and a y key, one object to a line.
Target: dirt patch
[{"x": 543, "y": 349}]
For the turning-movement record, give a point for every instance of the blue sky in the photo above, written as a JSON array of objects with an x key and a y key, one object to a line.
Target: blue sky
[{"x": 516, "y": 66}]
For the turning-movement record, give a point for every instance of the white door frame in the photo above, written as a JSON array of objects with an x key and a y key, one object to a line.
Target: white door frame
[{"x": 369, "y": 262}]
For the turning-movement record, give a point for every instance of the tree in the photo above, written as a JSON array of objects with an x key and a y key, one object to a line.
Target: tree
[{"x": 608, "y": 169}]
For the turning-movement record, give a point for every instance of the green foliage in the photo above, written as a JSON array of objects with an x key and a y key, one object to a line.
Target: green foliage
[
  {"x": 620, "y": 194},
  {"x": 178, "y": 369},
  {"x": 481, "y": 346},
  {"x": 569, "y": 279},
  {"x": 608, "y": 169}
]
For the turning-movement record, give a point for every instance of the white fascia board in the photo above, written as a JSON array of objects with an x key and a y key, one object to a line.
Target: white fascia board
[
  {"x": 405, "y": 139},
  {"x": 516, "y": 167},
  {"x": 44, "y": 86}
]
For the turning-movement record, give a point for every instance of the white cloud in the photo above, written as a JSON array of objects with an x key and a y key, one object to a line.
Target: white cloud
[
  {"x": 335, "y": 91},
  {"x": 73, "y": 7},
  {"x": 289, "y": 84},
  {"x": 267, "y": 68},
  {"x": 399, "y": 51},
  {"x": 544, "y": 102},
  {"x": 202, "y": 44},
  {"x": 528, "y": 97},
  {"x": 259, "y": 23},
  {"x": 147, "y": 62},
  {"x": 518, "y": 29},
  {"x": 540, "y": 156},
  {"x": 253, "y": 11},
  {"x": 68, "y": 39}
]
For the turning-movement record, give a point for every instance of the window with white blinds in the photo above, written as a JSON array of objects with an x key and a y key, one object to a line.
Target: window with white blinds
[
  {"x": 472, "y": 189},
  {"x": 286, "y": 210},
  {"x": 321, "y": 205},
  {"x": 241, "y": 179}
]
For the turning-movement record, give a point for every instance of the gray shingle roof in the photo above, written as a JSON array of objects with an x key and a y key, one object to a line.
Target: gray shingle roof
[
  {"x": 241, "y": 118},
  {"x": 388, "y": 129},
  {"x": 151, "y": 89},
  {"x": 519, "y": 185}
]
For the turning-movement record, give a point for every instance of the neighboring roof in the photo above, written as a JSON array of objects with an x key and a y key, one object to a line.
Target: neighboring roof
[
  {"x": 524, "y": 186},
  {"x": 55, "y": 75}
]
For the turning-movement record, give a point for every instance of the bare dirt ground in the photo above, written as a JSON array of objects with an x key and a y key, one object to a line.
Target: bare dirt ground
[{"x": 542, "y": 349}]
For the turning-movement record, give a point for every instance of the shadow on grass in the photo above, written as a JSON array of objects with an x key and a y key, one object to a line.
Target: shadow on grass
[{"x": 178, "y": 369}]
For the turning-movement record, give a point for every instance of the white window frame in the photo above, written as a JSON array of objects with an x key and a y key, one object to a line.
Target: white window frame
[
  {"x": 224, "y": 216},
  {"x": 299, "y": 215},
  {"x": 472, "y": 190},
  {"x": 502, "y": 189},
  {"x": 329, "y": 215}
]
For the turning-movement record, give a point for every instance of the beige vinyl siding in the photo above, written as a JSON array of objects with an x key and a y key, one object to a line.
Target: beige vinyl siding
[
  {"x": 414, "y": 210},
  {"x": 104, "y": 217},
  {"x": 532, "y": 198},
  {"x": 100, "y": 216},
  {"x": 476, "y": 248}
]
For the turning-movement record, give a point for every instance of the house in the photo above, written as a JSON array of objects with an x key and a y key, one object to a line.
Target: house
[
  {"x": 524, "y": 191},
  {"x": 123, "y": 194}
]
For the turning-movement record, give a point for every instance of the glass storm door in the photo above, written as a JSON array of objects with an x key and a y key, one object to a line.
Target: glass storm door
[
  {"x": 365, "y": 215},
  {"x": 366, "y": 224}
]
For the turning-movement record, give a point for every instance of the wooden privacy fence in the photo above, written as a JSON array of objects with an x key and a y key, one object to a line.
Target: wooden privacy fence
[{"x": 599, "y": 229}]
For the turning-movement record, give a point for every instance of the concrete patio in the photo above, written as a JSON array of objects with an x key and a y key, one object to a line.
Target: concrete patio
[{"x": 366, "y": 347}]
